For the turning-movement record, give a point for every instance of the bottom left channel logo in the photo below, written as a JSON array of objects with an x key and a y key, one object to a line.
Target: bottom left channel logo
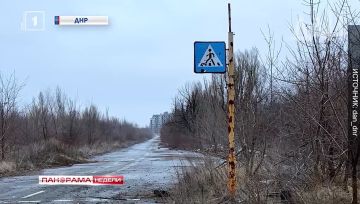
[{"x": 81, "y": 180}]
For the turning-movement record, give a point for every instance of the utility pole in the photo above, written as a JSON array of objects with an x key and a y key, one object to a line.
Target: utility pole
[
  {"x": 231, "y": 112},
  {"x": 215, "y": 51}
]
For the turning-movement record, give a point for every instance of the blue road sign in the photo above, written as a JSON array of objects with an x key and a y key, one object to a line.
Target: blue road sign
[{"x": 209, "y": 57}]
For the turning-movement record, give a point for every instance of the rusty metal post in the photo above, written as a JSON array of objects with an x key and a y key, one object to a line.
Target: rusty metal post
[{"x": 231, "y": 112}]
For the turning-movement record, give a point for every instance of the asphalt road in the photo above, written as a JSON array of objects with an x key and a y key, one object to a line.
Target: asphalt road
[{"x": 145, "y": 167}]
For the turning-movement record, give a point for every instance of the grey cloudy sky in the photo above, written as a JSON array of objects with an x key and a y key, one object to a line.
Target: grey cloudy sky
[{"x": 135, "y": 65}]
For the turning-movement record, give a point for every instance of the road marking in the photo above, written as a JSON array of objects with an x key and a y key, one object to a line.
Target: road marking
[
  {"x": 127, "y": 166},
  {"x": 28, "y": 196},
  {"x": 102, "y": 169},
  {"x": 62, "y": 200},
  {"x": 131, "y": 164},
  {"x": 29, "y": 201}
]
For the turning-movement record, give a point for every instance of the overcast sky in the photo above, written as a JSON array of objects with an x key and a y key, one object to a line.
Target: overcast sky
[{"x": 134, "y": 66}]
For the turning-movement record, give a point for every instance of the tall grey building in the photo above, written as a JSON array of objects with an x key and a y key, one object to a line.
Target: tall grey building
[{"x": 157, "y": 121}]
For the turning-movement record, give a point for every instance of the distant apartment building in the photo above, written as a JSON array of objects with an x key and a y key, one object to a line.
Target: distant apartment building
[{"x": 157, "y": 121}]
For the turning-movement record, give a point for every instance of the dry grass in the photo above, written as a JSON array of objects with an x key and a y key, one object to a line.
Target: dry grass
[
  {"x": 205, "y": 183},
  {"x": 7, "y": 167},
  {"x": 101, "y": 148},
  {"x": 201, "y": 183},
  {"x": 318, "y": 194},
  {"x": 52, "y": 153},
  {"x": 40, "y": 155}
]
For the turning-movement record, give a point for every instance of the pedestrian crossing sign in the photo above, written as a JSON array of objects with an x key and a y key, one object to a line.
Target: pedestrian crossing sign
[{"x": 209, "y": 57}]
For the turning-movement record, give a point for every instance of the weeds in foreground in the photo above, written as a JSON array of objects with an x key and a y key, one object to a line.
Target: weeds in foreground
[{"x": 205, "y": 183}]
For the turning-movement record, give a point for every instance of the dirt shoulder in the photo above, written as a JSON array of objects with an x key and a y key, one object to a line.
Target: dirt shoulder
[{"x": 53, "y": 153}]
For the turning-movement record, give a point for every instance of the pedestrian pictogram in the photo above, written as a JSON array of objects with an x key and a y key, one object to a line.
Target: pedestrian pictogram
[{"x": 209, "y": 57}]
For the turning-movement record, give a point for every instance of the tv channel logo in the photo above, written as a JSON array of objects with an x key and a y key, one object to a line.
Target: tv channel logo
[{"x": 33, "y": 21}]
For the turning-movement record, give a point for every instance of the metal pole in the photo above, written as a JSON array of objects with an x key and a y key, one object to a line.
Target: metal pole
[{"x": 231, "y": 112}]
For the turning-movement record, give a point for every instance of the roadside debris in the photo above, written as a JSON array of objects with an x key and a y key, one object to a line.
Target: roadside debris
[{"x": 161, "y": 193}]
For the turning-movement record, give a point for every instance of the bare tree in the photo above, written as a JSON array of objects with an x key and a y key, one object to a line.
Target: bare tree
[
  {"x": 91, "y": 117},
  {"x": 250, "y": 83},
  {"x": 9, "y": 91}
]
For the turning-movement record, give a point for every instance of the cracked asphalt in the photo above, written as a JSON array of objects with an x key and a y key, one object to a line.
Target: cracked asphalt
[{"x": 145, "y": 167}]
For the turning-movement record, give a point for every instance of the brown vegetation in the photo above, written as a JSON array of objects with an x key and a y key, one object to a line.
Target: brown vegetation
[
  {"x": 206, "y": 183},
  {"x": 291, "y": 117},
  {"x": 53, "y": 130}
]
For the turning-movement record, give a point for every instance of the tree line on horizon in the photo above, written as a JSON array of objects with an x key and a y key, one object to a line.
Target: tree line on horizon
[{"x": 54, "y": 123}]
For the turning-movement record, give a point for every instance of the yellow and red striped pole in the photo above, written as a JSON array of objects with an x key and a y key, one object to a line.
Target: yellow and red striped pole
[{"x": 231, "y": 113}]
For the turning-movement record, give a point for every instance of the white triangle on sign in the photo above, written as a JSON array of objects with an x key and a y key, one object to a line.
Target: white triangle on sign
[{"x": 210, "y": 59}]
